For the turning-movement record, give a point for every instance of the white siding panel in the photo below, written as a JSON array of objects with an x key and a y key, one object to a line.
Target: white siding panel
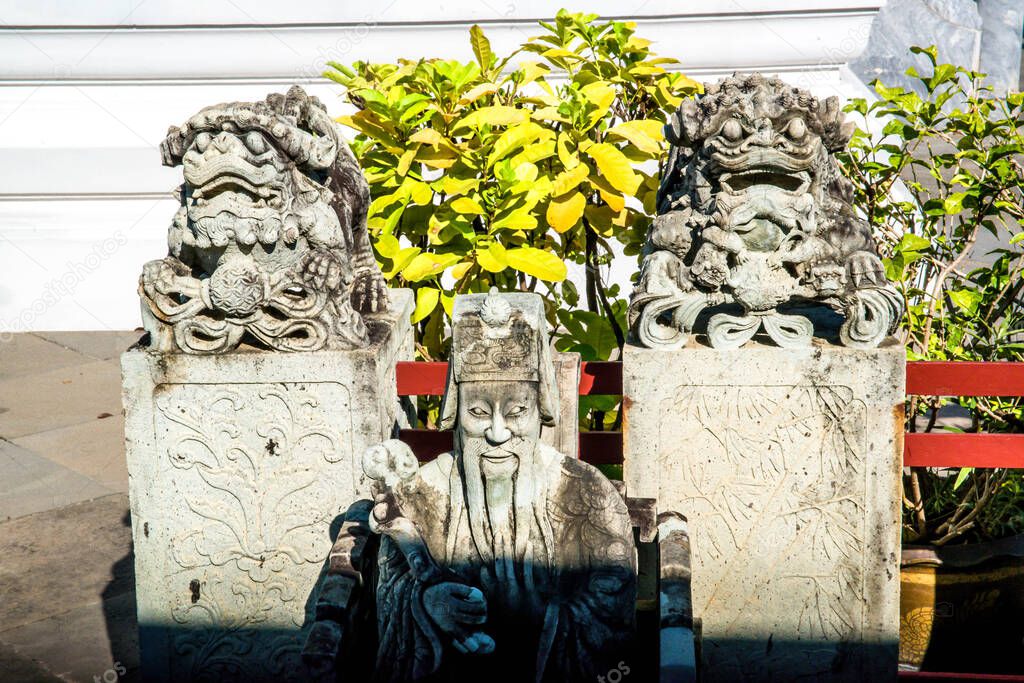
[{"x": 274, "y": 12}]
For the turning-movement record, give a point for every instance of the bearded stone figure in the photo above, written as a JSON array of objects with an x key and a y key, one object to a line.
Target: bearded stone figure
[
  {"x": 755, "y": 219},
  {"x": 270, "y": 242},
  {"x": 503, "y": 559}
]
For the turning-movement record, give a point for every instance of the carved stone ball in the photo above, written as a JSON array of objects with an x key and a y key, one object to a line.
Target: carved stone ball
[{"x": 237, "y": 287}]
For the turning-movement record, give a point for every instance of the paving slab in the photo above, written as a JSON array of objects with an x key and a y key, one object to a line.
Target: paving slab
[
  {"x": 94, "y": 449},
  {"x": 94, "y": 640},
  {"x": 67, "y": 589},
  {"x": 30, "y": 483},
  {"x": 26, "y": 354},
  {"x": 59, "y": 560},
  {"x": 102, "y": 345},
  {"x": 15, "y": 666},
  {"x": 35, "y": 403}
]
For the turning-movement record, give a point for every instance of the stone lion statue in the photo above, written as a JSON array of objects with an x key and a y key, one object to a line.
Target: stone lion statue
[
  {"x": 270, "y": 243},
  {"x": 755, "y": 215}
]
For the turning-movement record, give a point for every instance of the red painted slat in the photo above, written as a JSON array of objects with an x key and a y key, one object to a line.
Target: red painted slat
[
  {"x": 597, "y": 448},
  {"x": 963, "y": 450},
  {"x": 962, "y": 378},
  {"x": 420, "y": 378},
  {"x": 428, "y": 378},
  {"x": 924, "y": 378},
  {"x": 601, "y": 377}
]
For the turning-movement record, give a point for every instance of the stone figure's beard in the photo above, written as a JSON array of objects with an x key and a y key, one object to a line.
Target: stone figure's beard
[{"x": 529, "y": 500}]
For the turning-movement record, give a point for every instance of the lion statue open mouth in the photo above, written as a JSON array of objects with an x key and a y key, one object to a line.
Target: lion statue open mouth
[
  {"x": 270, "y": 242},
  {"x": 753, "y": 212}
]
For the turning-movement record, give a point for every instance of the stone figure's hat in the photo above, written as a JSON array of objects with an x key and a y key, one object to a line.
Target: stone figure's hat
[{"x": 500, "y": 337}]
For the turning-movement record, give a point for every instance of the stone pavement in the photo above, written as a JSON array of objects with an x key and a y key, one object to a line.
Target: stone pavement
[{"x": 67, "y": 602}]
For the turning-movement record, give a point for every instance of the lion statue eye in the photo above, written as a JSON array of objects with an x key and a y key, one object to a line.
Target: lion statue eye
[
  {"x": 796, "y": 129},
  {"x": 256, "y": 143},
  {"x": 202, "y": 141},
  {"x": 732, "y": 130}
]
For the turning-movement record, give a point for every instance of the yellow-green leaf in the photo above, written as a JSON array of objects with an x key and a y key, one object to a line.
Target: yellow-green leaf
[
  {"x": 448, "y": 303},
  {"x": 436, "y": 158},
  {"x": 568, "y": 158},
  {"x": 467, "y": 205},
  {"x": 609, "y": 194},
  {"x": 459, "y": 269},
  {"x": 426, "y": 302},
  {"x": 520, "y": 219},
  {"x": 549, "y": 114},
  {"x": 492, "y": 259},
  {"x": 455, "y": 186},
  {"x": 615, "y": 167},
  {"x": 560, "y": 52},
  {"x": 564, "y": 212},
  {"x": 513, "y": 138},
  {"x": 532, "y": 71},
  {"x": 481, "y": 47},
  {"x": 387, "y": 246},
  {"x": 541, "y": 264},
  {"x": 478, "y": 91},
  {"x": 428, "y": 136},
  {"x": 405, "y": 161},
  {"x": 496, "y": 115},
  {"x": 599, "y": 93},
  {"x": 568, "y": 180},
  {"x": 646, "y": 134},
  {"x": 401, "y": 260},
  {"x": 425, "y": 265},
  {"x": 534, "y": 152},
  {"x": 419, "y": 191}
]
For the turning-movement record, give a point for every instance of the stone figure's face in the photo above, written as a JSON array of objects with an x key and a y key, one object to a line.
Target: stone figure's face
[
  {"x": 241, "y": 187},
  {"x": 498, "y": 412},
  {"x": 763, "y": 167}
]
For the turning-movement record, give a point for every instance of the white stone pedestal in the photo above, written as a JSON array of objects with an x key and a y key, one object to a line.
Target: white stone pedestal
[
  {"x": 238, "y": 465},
  {"x": 787, "y": 465}
]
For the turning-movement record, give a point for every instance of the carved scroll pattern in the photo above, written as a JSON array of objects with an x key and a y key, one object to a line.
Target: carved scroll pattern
[
  {"x": 248, "y": 465},
  {"x": 772, "y": 480}
]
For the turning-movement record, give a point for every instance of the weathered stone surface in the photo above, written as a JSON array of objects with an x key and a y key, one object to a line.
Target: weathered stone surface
[
  {"x": 502, "y": 558},
  {"x": 953, "y": 26},
  {"x": 786, "y": 464},
  {"x": 239, "y": 463},
  {"x": 1002, "y": 23},
  {"x": 754, "y": 219},
  {"x": 270, "y": 242}
]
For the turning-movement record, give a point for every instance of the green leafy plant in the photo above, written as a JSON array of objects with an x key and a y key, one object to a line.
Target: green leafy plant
[
  {"x": 944, "y": 170},
  {"x": 493, "y": 173}
]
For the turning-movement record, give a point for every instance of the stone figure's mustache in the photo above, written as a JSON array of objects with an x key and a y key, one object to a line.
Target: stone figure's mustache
[{"x": 479, "y": 447}]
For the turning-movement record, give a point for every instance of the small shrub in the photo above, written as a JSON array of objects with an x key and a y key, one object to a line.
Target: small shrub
[{"x": 944, "y": 170}]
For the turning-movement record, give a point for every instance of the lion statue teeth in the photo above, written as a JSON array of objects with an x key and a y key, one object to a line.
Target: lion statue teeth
[
  {"x": 270, "y": 243},
  {"x": 755, "y": 215}
]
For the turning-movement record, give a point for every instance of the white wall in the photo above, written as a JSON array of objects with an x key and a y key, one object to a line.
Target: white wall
[{"x": 87, "y": 90}]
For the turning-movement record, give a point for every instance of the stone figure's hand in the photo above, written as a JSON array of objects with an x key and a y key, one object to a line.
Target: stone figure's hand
[
  {"x": 864, "y": 268},
  {"x": 322, "y": 269},
  {"x": 456, "y": 608},
  {"x": 370, "y": 292}
]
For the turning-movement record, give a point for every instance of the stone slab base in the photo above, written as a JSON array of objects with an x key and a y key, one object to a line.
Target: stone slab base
[
  {"x": 239, "y": 465},
  {"x": 787, "y": 465}
]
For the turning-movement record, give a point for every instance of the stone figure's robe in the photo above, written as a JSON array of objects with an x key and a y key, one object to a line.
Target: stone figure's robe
[{"x": 560, "y": 592}]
